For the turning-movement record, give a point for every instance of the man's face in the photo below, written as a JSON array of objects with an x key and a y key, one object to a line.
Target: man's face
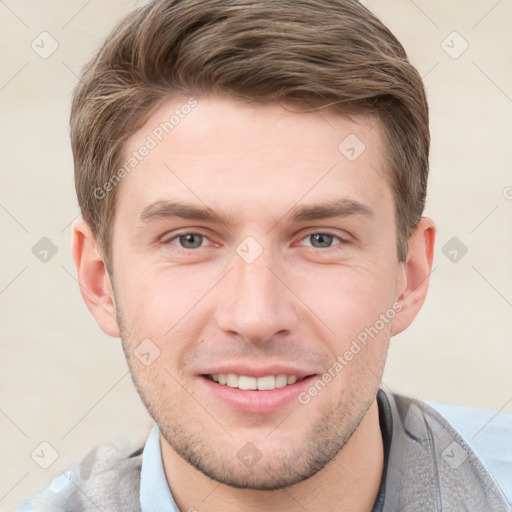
[{"x": 274, "y": 288}]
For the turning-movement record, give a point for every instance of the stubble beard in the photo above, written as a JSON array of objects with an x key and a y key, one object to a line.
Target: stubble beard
[{"x": 298, "y": 461}]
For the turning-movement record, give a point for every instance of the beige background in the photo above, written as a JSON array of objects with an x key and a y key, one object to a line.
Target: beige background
[{"x": 64, "y": 382}]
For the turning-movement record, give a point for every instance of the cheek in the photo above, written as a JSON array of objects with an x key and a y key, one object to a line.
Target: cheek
[
  {"x": 347, "y": 298},
  {"x": 161, "y": 303},
  {"x": 156, "y": 384}
]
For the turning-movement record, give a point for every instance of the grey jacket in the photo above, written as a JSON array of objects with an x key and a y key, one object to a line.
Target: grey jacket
[{"x": 428, "y": 468}]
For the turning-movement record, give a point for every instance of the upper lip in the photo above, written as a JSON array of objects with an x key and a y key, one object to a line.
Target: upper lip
[{"x": 252, "y": 371}]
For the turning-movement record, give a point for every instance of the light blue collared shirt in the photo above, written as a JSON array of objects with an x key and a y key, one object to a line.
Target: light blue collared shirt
[
  {"x": 155, "y": 495},
  {"x": 487, "y": 432},
  {"x": 492, "y": 443}
]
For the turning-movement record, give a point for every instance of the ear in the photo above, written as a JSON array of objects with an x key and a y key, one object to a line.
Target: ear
[
  {"x": 93, "y": 278},
  {"x": 413, "y": 282}
]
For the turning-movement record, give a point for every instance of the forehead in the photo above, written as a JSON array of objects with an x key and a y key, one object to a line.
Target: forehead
[{"x": 226, "y": 154}]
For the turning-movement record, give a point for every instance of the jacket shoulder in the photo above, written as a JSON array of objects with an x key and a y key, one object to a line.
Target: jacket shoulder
[
  {"x": 107, "y": 478},
  {"x": 488, "y": 433},
  {"x": 470, "y": 448}
]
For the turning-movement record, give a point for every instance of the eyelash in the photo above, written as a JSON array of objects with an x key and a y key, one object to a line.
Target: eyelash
[{"x": 342, "y": 240}]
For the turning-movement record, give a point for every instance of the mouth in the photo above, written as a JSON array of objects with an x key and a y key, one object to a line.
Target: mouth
[
  {"x": 263, "y": 392},
  {"x": 246, "y": 382}
]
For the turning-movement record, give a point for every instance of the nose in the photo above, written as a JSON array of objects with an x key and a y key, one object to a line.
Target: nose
[{"x": 256, "y": 303}]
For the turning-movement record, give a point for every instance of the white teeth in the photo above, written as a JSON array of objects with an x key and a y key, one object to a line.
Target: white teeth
[
  {"x": 245, "y": 382},
  {"x": 281, "y": 381},
  {"x": 232, "y": 380},
  {"x": 266, "y": 383}
]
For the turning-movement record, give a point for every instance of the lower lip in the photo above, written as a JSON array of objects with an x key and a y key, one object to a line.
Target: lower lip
[{"x": 256, "y": 402}]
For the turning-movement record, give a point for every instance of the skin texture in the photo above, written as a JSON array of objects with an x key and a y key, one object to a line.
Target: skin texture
[{"x": 300, "y": 303}]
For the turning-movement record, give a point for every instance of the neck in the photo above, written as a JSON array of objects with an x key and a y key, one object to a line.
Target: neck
[{"x": 350, "y": 481}]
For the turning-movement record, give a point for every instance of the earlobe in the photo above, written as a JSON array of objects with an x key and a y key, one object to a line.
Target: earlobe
[
  {"x": 416, "y": 274},
  {"x": 93, "y": 278}
]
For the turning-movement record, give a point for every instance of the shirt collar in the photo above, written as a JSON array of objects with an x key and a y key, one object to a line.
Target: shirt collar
[{"x": 155, "y": 495}]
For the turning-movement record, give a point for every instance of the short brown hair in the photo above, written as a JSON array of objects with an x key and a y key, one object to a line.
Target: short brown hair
[{"x": 318, "y": 53}]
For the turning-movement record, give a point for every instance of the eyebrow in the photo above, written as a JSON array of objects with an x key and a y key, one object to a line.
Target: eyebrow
[
  {"x": 170, "y": 209},
  {"x": 330, "y": 209},
  {"x": 298, "y": 213}
]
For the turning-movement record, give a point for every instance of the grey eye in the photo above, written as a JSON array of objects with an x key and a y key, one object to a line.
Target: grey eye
[
  {"x": 323, "y": 239},
  {"x": 191, "y": 240}
]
